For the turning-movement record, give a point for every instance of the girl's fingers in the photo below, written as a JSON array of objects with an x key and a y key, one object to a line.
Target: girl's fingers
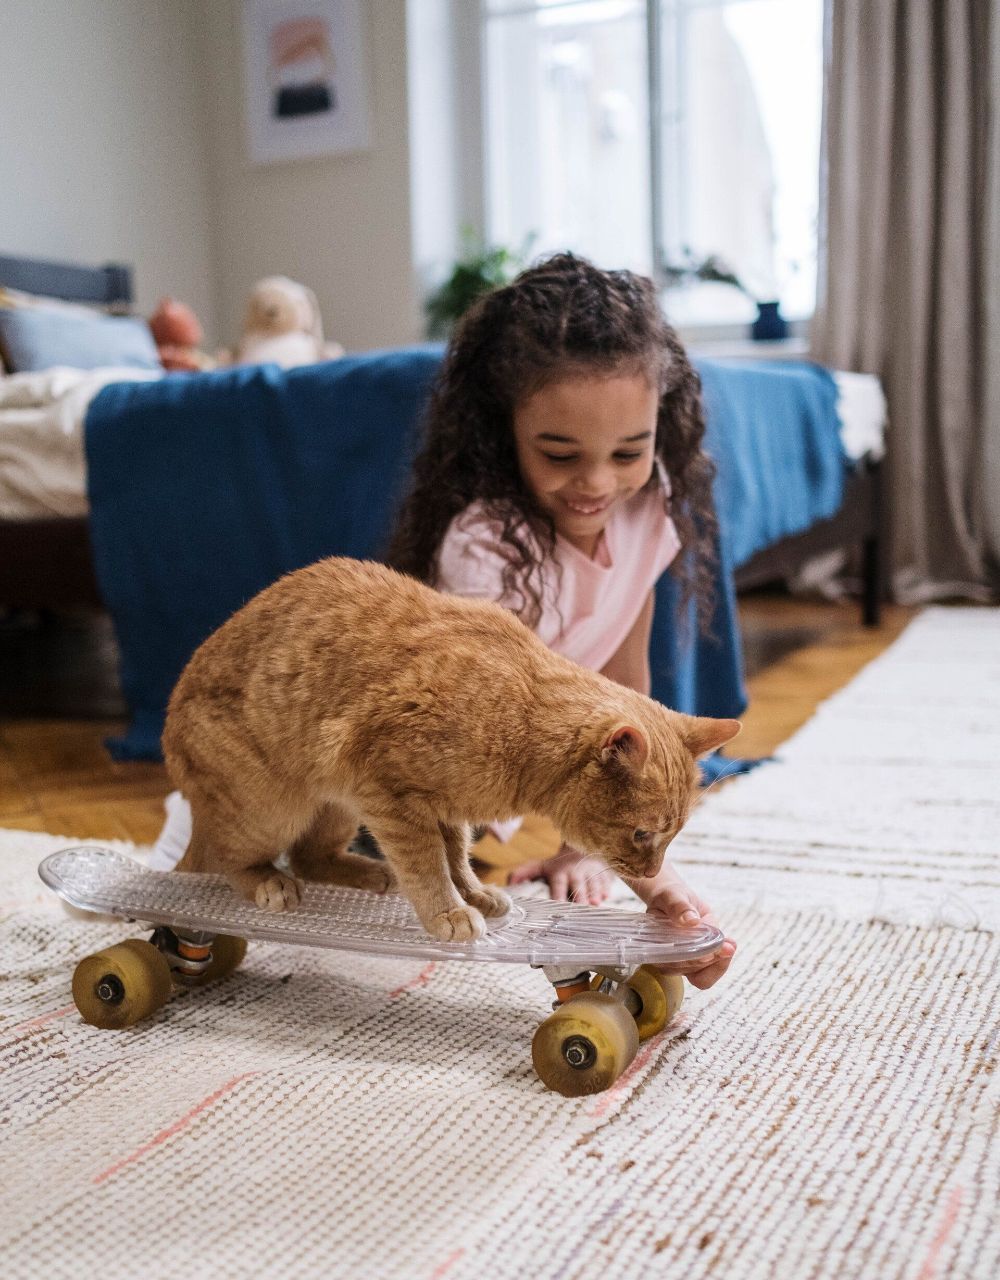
[
  {"x": 676, "y": 902},
  {"x": 590, "y": 882},
  {"x": 529, "y": 871},
  {"x": 569, "y": 874},
  {"x": 710, "y": 975},
  {"x": 705, "y": 972},
  {"x": 558, "y": 885}
]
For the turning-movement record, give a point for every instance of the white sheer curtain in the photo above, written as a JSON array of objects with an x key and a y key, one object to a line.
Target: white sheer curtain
[{"x": 909, "y": 261}]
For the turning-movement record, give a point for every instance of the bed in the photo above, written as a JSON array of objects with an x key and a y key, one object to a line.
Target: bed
[
  {"x": 45, "y": 553},
  {"x": 201, "y": 489},
  {"x": 857, "y": 528}
]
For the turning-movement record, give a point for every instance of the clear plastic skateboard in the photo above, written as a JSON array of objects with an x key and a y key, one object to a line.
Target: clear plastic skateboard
[{"x": 608, "y": 997}]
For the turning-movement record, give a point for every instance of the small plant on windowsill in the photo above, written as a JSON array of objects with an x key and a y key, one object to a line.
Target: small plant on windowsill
[
  {"x": 479, "y": 270},
  {"x": 770, "y": 324}
]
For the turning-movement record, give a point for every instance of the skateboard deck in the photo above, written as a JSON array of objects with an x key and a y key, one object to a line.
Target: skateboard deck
[{"x": 535, "y": 931}]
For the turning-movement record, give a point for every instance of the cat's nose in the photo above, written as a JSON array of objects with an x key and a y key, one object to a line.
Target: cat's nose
[{"x": 653, "y": 865}]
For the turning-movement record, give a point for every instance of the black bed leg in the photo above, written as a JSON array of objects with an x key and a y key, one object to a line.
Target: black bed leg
[
  {"x": 874, "y": 549},
  {"x": 871, "y": 600}
]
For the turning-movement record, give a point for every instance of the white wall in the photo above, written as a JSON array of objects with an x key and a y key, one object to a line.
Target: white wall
[
  {"x": 339, "y": 224},
  {"x": 122, "y": 139},
  {"x": 102, "y": 145}
]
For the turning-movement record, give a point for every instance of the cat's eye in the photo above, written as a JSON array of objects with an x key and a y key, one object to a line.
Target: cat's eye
[{"x": 640, "y": 836}]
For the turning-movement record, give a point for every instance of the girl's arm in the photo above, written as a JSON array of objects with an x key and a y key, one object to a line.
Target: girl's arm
[
  {"x": 569, "y": 873},
  {"x": 630, "y": 664},
  {"x": 666, "y": 893}
]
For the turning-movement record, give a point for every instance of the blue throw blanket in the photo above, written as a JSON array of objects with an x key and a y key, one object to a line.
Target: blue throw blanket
[
  {"x": 774, "y": 434},
  {"x": 204, "y": 489}
]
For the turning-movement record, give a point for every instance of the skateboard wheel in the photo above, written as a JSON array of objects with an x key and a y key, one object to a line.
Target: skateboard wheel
[
  {"x": 653, "y": 998},
  {"x": 227, "y": 955},
  {"x": 585, "y": 1045},
  {"x": 119, "y": 986}
]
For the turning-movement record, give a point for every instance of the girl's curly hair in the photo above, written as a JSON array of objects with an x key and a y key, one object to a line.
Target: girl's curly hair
[{"x": 560, "y": 317}]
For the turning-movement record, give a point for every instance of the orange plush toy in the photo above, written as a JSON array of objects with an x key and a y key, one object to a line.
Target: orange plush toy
[{"x": 177, "y": 333}]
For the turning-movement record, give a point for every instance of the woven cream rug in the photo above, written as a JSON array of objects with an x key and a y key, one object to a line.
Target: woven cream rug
[
  {"x": 829, "y": 1110},
  {"x": 886, "y": 805}
]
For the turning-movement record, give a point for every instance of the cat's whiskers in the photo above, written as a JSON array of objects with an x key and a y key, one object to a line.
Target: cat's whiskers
[
  {"x": 702, "y": 795},
  {"x": 602, "y": 871},
  {"x": 723, "y": 776}
]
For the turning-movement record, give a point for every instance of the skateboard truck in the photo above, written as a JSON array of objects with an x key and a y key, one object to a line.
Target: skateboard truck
[
  {"x": 611, "y": 980},
  {"x": 189, "y": 952}
]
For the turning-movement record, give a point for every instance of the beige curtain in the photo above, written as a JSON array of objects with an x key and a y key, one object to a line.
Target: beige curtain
[
  {"x": 990, "y": 477},
  {"x": 909, "y": 261}
]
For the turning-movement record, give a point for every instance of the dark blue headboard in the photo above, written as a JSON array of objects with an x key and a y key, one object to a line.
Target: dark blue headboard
[{"x": 107, "y": 286}]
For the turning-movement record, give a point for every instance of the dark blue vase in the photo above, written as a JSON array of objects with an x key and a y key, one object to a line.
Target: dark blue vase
[{"x": 770, "y": 325}]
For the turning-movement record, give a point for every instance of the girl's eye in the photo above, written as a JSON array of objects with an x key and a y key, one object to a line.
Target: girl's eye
[{"x": 572, "y": 457}]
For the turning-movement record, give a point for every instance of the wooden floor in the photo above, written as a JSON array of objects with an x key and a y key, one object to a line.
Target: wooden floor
[{"x": 55, "y": 775}]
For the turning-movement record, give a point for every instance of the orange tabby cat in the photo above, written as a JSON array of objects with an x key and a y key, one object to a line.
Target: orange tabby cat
[{"x": 346, "y": 693}]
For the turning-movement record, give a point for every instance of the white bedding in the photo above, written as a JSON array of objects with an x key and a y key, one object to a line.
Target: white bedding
[
  {"x": 42, "y": 470},
  {"x": 863, "y": 414}
]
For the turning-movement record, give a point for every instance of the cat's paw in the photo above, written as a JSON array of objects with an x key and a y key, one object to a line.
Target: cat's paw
[
  {"x": 492, "y": 902},
  {"x": 461, "y": 924},
  {"x": 377, "y": 878},
  {"x": 278, "y": 893}
]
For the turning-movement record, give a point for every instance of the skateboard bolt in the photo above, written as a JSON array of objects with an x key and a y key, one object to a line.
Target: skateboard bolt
[
  {"x": 579, "y": 1052},
  {"x": 110, "y": 989}
]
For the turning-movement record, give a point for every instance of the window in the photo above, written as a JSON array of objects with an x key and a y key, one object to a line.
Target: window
[
  {"x": 566, "y": 128},
  {"x": 635, "y": 131}
]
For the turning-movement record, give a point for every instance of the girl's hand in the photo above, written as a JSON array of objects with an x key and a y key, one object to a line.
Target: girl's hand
[
  {"x": 669, "y": 896},
  {"x": 569, "y": 874}
]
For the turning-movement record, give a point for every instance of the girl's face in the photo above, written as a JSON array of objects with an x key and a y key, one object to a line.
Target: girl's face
[{"x": 584, "y": 445}]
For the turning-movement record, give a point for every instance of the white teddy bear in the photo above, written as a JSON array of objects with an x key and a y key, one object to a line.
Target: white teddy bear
[{"x": 283, "y": 326}]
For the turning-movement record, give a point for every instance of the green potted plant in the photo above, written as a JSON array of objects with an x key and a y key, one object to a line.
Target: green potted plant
[{"x": 480, "y": 269}]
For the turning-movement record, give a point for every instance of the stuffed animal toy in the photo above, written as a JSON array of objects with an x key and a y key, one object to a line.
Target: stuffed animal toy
[
  {"x": 283, "y": 326},
  {"x": 177, "y": 334}
]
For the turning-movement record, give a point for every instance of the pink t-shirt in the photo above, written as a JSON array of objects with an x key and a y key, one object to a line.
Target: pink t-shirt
[{"x": 590, "y": 607}]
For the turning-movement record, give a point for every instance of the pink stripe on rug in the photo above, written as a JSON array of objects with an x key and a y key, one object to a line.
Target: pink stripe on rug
[
  {"x": 421, "y": 980},
  {"x": 42, "y": 1019},
  {"x": 169, "y": 1132},
  {"x": 944, "y": 1231}
]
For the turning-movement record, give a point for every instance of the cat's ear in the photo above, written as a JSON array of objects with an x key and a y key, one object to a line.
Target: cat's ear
[
  {"x": 703, "y": 733},
  {"x": 625, "y": 744}
]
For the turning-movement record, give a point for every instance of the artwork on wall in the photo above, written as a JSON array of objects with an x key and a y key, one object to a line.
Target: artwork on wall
[{"x": 306, "y": 78}]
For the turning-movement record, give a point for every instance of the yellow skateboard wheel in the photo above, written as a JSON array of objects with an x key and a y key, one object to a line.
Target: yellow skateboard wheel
[
  {"x": 585, "y": 1045},
  {"x": 119, "y": 986},
  {"x": 227, "y": 955},
  {"x": 655, "y": 998}
]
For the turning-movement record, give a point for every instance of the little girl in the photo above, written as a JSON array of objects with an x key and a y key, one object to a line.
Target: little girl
[{"x": 560, "y": 475}]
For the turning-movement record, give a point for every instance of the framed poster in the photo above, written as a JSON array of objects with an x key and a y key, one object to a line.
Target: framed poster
[{"x": 306, "y": 78}]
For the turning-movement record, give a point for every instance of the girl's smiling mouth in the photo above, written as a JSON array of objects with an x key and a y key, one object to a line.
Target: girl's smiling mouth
[{"x": 588, "y": 508}]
